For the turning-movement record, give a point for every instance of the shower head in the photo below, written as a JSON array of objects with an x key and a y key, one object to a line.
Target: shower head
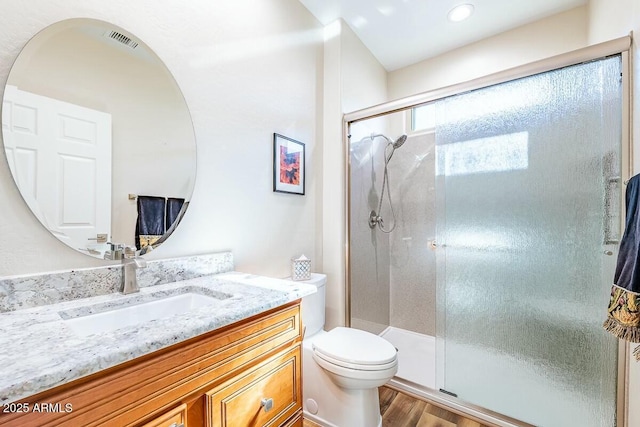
[{"x": 401, "y": 140}]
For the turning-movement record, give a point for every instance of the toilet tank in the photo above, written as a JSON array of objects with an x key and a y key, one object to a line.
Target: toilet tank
[{"x": 312, "y": 306}]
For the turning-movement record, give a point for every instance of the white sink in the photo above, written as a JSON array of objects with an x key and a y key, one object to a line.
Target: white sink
[{"x": 130, "y": 315}]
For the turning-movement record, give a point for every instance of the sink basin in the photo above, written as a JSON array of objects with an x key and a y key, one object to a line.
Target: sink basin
[{"x": 130, "y": 315}]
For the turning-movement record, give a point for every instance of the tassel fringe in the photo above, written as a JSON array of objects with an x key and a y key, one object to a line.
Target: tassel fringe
[{"x": 627, "y": 333}]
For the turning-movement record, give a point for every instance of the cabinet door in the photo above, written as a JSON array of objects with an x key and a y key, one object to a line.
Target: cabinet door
[
  {"x": 267, "y": 395},
  {"x": 175, "y": 418}
]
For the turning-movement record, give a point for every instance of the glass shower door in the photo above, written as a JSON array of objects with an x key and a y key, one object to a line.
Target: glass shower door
[{"x": 528, "y": 200}]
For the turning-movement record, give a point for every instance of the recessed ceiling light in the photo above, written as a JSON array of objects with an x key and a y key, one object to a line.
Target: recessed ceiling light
[
  {"x": 460, "y": 12},
  {"x": 359, "y": 21},
  {"x": 386, "y": 10}
]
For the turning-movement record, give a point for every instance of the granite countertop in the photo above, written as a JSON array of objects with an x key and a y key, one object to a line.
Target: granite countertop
[{"x": 38, "y": 349}]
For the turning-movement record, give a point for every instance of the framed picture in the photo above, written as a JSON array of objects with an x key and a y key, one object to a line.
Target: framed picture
[{"x": 288, "y": 165}]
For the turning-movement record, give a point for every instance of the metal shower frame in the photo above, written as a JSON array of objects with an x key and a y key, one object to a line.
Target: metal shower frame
[{"x": 617, "y": 46}]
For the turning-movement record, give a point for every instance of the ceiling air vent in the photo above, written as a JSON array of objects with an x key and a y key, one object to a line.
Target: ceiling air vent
[{"x": 121, "y": 38}]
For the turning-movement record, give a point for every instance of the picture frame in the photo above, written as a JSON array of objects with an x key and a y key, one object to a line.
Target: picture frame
[{"x": 288, "y": 165}]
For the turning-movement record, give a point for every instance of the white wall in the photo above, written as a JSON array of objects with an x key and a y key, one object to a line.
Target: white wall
[
  {"x": 353, "y": 79},
  {"x": 541, "y": 39},
  {"x": 247, "y": 68}
]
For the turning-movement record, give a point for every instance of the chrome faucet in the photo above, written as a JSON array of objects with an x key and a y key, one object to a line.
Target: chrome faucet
[{"x": 130, "y": 264}]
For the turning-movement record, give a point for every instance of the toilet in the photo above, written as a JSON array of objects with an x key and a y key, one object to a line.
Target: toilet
[{"x": 342, "y": 368}]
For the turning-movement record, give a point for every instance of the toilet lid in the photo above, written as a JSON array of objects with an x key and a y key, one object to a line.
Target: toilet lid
[{"x": 355, "y": 346}]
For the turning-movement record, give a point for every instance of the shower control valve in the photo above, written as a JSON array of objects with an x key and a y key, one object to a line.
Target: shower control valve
[{"x": 374, "y": 219}]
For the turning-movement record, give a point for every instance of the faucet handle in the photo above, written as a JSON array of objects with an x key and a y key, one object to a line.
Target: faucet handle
[
  {"x": 115, "y": 251},
  {"x": 129, "y": 251},
  {"x": 100, "y": 238},
  {"x": 130, "y": 254}
]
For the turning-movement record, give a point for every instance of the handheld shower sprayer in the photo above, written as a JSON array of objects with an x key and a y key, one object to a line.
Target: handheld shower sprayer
[
  {"x": 375, "y": 218},
  {"x": 401, "y": 140}
]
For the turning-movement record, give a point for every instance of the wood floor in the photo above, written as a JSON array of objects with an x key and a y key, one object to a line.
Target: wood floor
[{"x": 400, "y": 410}]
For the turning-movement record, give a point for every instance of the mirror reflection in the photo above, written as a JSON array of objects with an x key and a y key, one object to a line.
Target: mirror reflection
[{"x": 98, "y": 138}]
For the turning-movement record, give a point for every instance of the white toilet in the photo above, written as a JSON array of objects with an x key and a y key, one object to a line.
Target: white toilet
[{"x": 341, "y": 369}]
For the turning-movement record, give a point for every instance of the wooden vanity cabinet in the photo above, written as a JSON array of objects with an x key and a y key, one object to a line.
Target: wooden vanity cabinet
[
  {"x": 267, "y": 395},
  {"x": 175, "y": 418},
  {"x": 218, "y": 379},
  {"x": 296, "y": 421}
]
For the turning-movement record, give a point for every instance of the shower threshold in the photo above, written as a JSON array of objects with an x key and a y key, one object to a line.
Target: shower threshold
[{"x": 416, "y": 355}]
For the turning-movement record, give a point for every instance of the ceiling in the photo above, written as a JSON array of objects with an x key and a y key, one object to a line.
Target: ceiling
[{"x": 403, "y": 32}]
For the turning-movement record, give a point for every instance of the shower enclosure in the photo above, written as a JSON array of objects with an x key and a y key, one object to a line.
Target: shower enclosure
[{"x": 494, "y": 282}]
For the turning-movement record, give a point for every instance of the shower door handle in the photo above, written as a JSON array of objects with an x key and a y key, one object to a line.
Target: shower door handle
[{"x": 611, "y": 229}]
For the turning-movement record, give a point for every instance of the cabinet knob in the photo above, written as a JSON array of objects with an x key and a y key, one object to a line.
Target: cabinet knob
[
  {"x": 267, "y": 404},
  {"x": 177, "y": 425}
]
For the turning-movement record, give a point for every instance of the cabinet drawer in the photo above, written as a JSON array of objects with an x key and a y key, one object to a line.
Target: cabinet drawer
[
  {"x": 239, "y": 401},
  {"x": 175, "y": 418}
]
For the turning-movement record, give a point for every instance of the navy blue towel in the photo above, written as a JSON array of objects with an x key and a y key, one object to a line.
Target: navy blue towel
[
  {"x": 150, "y": 223},
  {"x": 174, "y": 208},
  {"x": 628, "y": 267},
  {"x": 623, "y": 317}
]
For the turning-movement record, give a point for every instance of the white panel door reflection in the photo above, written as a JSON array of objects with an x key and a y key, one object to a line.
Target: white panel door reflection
[{"x": 46, "y": 138}]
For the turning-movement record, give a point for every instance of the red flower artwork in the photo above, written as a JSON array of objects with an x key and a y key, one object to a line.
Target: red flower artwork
[{"x": 289, "y": 166}]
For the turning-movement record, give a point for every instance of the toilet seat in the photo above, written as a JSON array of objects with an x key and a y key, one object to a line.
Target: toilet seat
[
  {"x": 355, "y": 366},
  {"x": 355, "y": 349},
  {"x": 357, "y": 378}
]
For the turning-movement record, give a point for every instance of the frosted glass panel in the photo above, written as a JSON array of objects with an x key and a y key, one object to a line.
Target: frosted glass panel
[{"x": 527, "y": 205}]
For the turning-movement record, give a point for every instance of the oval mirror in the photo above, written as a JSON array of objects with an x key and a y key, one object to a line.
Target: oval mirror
[{"x": 98, "y": 138}]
